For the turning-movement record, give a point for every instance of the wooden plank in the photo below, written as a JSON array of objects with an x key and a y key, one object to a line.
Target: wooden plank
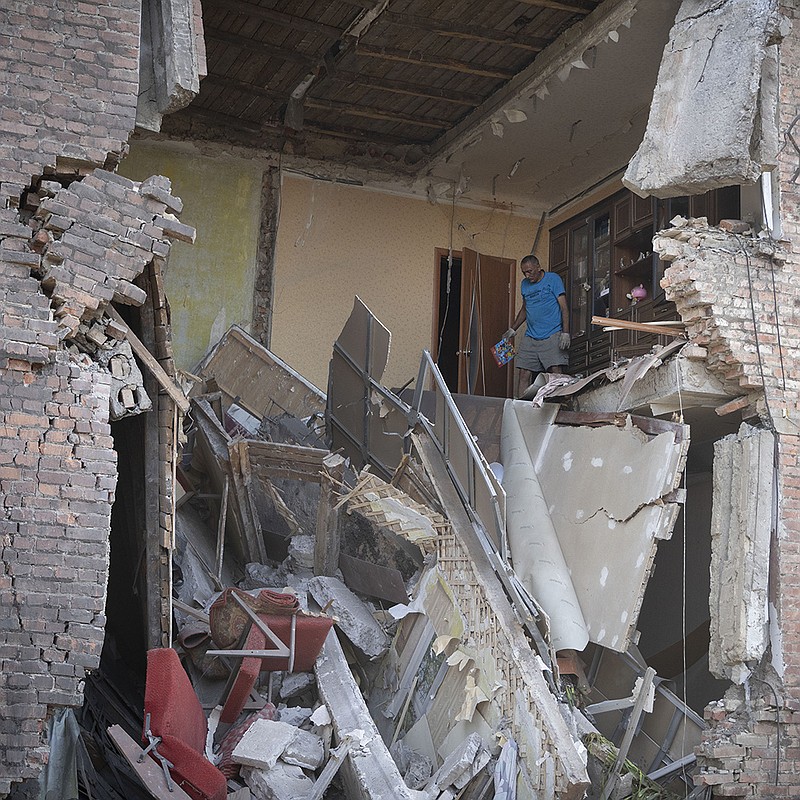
[
  {"x": 404, "y": 87},
  {"x": 650, "y": 425},
  {"x": 271, "y": 460},
  {"x": 608, "y": 323},
  {"x": 149, "y": 360},
  {"x": 327, "y": 541},
  {"x": 630, "y": 732},
  {"x": 243, "y": 86},
  {"x": 451, "y": 64},
  {"x": 329, "y": 771},
  {"x": 558, "y": 5},
  {"x": 373, "y": 113},
  {"x": 223, "y": 513},
  {"x": 149, "y": 772},
  {"x": 457, "y": 30},
  {"x": 254, "y": 46},
  {"x": 357, "y": 134},
  {"x": 290, "y": 21}
]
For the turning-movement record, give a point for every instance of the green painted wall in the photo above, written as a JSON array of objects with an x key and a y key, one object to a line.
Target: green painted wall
[{"x": 209, "y": 284}]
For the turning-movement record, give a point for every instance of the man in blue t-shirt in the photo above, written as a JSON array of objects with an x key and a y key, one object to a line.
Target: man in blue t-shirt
[{"x": 545, "y": 345}]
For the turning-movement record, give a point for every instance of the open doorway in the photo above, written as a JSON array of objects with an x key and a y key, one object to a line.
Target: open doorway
[{"x": 473, "y": 306}]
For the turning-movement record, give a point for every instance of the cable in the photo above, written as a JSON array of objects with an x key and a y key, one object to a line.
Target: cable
[
  {"x": 449, "y": 277},
  {"x": 683, "y": 569}
]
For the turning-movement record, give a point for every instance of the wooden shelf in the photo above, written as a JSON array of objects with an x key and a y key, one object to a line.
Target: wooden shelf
[{"x": 641, "y": 266}]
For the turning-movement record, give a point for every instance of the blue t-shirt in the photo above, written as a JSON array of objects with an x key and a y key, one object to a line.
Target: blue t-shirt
[{"x": 542, "y": 312}]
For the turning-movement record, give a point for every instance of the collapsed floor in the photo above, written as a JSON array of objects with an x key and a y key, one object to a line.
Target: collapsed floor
[{"x": 448, "y": 674}]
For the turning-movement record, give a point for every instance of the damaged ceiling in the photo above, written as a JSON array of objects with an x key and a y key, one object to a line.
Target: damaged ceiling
[{"x": 497, "y": 106}]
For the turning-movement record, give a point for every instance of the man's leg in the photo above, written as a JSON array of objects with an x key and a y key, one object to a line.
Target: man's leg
[
  {"x": 556, "y": 369},
  {"x": 524, "y": 380}
]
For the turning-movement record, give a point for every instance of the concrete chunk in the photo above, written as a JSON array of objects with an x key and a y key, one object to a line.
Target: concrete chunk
[
  {"x": 352, "y": 616},
  {"x": 264, "y": 743},
  {"x": 281, "y": 782},
  {"x": 295, "y": 683},
  {"x": 305, "y": 750}
]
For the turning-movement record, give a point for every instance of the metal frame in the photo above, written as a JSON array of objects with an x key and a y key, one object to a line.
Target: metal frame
[{"x": 477, "y": 467}]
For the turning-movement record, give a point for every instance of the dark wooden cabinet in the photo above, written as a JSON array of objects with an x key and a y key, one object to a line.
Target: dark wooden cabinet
[{"x": 605, "y": 255}]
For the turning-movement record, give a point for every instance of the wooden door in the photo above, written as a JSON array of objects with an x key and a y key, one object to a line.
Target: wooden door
[{"x": 487, "y": 310}]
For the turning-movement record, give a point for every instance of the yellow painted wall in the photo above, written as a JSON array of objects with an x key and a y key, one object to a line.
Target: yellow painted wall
[
  {"x": 337, "y": 241},
  {"x": 209, "y": 284}
]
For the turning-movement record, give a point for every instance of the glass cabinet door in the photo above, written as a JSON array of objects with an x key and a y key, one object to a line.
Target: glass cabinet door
[
  {"x": 579, "y": 281},
  {"x": 601, "y": 265}
]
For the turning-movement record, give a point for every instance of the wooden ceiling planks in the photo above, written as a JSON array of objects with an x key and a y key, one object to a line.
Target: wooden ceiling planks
[{"x": 419, "y": 69}]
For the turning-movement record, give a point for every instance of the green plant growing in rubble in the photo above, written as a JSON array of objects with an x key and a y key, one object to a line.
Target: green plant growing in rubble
[{"x": 642, "y": 788}]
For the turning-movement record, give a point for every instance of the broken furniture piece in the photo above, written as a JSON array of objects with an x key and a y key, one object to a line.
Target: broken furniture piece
[
  {"x": 273, "y": 635},
  {"x": 176, "y": 727}
]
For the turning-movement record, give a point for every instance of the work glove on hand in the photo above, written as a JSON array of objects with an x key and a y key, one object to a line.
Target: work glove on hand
[
  {"x": 563, "y": 340},
  {"x": 509, "y": 334}
]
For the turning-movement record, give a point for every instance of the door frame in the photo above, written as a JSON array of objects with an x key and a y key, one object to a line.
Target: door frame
[{"x": 443, "y": 252}]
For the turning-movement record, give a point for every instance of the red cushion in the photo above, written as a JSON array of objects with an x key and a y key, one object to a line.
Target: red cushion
[{"x": 177, "y": 717}]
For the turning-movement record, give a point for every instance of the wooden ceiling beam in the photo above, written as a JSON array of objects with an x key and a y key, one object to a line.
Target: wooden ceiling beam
[
  {"x": 243, "y": 86},
  {"x": 402, "y": 87},
  {"x": 374, "y": 113},
  {"x": 231, "y": 121},
  {"x": 278, "y": 18},
  {"x": 407, "y": 57},
  {"x": 257, "y": 47},
  {"x": 354, "y": 134},
  {"x": 557, "y": 5},
  {"x": 457, "y": 31}
]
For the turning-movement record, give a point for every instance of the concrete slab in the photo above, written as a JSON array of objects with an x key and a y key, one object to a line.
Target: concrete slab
[
  {"x": 741, "y": 522},
  {"x": 353, "y": 618},
  {"x": 369, "y": 772},
  {"x": 264, "y": 743},
  {"x": 705, "y": 128}
]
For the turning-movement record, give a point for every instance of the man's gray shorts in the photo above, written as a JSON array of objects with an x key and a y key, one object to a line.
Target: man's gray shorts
[{"x": 539, "y": 355}]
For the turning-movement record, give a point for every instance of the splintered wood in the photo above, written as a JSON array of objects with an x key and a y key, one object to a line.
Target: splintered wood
[{"x": 389, "y": 507}]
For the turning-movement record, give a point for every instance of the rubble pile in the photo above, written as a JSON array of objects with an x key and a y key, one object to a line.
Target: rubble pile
[{"x": 345, "y": 624}]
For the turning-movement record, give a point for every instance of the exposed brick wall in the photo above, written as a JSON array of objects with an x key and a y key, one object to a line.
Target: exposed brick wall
[
  {"x": 68, "y": 86},
  {"x": 710, "y": 280},
  {"x": 752, "y": 747}
]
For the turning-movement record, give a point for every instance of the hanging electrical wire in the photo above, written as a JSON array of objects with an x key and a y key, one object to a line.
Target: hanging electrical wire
[{"x": 449, "y": 277}]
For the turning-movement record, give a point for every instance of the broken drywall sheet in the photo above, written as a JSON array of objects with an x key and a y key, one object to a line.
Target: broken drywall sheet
[
  {"x": 707, "y": 126},
  {"x": 263, "y": 384},
  {"x": 365, "y": 420},
  {"x": 741, "y": 522},
  {"x": 592, "y": 511},
  {"x": 533, "y": 541}
]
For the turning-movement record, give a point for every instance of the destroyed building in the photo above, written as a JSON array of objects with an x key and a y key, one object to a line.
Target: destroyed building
[{"x": 409, "y": 584}]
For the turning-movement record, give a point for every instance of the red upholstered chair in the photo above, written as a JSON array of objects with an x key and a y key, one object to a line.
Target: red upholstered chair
[
  {"x": 176, "y": 716},
  {"x": 309, "y": 637}
]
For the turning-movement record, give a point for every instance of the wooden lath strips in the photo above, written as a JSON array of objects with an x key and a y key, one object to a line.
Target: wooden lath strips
[
  {"x": 402, "y": 87},
  {"x": 254, "y": 46},
  {"x": 408, "y": 57},
  {"x": 456, "y": 30},
  {"x": 374, "y": 113}
]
